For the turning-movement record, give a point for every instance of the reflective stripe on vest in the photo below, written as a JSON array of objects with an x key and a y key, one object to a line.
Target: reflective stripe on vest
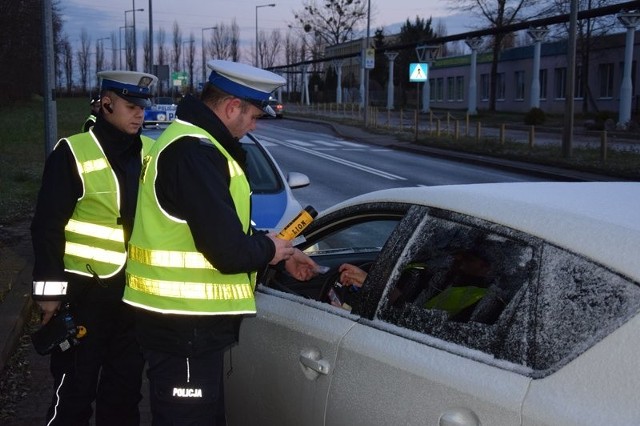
[
  {"x": 94, "y": 239},
  {"x": 165, "y": 272}
]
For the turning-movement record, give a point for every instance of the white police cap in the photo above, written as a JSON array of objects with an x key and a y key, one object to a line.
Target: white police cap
[
  {"x": 133, "y": 86},
  {"x": 246, "y": 82}
]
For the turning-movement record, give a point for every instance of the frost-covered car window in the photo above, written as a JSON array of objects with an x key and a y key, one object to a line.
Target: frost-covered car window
[
  {"x": 578, "y": 303},
  {"x": 461, "y": 280}
]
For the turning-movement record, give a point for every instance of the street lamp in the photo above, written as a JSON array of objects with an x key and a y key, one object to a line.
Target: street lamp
[
  {"x": 135, "y": 59},
  {"x": 204, "y": 66},
  {"x": 257, "y": 7}
]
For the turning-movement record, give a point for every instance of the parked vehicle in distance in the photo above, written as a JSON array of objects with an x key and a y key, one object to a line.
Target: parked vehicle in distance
[
  {"x": 493, "y": 304},
  {"x": 162, "y": 111},
  {"x": 272, "y": 202},
  {"x": 277, "y": 107}
]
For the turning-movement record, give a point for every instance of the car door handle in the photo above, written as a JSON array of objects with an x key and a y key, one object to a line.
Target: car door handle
[{"x": 312, "y": 363}]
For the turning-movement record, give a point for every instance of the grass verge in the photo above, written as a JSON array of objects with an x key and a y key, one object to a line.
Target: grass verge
[{"x": 22, "y": 150}]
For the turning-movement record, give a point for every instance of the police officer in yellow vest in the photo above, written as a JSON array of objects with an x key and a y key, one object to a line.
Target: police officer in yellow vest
[
  {"x": 193, "y": 252},
  {"x": 82, "y": 223},
  {"x": 95, "y": 110}
]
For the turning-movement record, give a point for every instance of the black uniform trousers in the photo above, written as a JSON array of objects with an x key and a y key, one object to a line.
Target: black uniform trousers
[
  {"x": 186, "y": 391},
  {"x": 106, "y": 367}
]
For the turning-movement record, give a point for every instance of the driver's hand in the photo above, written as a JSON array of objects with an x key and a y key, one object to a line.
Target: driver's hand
[
  {"x": 351, "y": 275},
  {"x": 300, "y": 266}
]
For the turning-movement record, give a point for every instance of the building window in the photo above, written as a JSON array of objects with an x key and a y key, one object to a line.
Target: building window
[
  {"x": 605, "y": 76},
  {"x": 543, "y": 84},
  {"x": 485, "y": 87},
  {"x": 460, "y": 88},
  {"x": 559, "y": 81},
  {"x": 579, "y": 92},
  {"x": 500, "y": 86},
  {"x": 519, "y": 81},
  {"x": 440, "y": 89},
  {"x": 451, "y": 88},
  {"x": 432, "y": 89}
]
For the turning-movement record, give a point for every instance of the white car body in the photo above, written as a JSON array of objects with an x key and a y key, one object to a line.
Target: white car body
[{"x": 563, "y": 350}]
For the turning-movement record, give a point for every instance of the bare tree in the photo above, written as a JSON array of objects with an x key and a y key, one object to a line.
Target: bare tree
[
  {"x": 224, "y": 42},
  {"x": 83, "y": 58},
  {"x": 335, "y": 21},
  {"x": 162, "y": 55},
  {"x": 177, "y": 47},
  {"x": 235, "y": 41},
  {"x": 190, "y": 58},
  {"x": 146, "y": 54},
  {"x": 498, "y": 14},
  {"x": 270, "y": 47},
  {"x": 115, "y": 52},
  {"x": 67, "y": 61},
  {"x": 99, "y": 55}
]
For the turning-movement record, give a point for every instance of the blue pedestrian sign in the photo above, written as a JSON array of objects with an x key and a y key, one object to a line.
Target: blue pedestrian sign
[{"x": 418, "y": 72}]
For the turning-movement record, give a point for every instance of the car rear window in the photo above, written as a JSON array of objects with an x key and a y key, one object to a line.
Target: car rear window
[{"x": 493, "y": 289}]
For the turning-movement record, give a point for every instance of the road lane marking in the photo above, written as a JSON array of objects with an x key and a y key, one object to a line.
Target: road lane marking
[{"x": 294, "y": 145}]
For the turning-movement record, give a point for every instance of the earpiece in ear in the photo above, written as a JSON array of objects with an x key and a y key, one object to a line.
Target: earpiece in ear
[{"x": 108, "y": 108}]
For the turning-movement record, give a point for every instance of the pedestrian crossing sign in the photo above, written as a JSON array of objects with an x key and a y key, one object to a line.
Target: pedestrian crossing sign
[{"x": 418, "y": 72}]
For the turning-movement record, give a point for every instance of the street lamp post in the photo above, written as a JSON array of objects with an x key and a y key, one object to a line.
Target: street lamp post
[
  {"x": 204, "y": 66},
  {"x": 474, "y": 43},
  {"x": 135, "y": 65},
  {"x": 537, "y": 35},
  {"x": 257, "y": 7}
]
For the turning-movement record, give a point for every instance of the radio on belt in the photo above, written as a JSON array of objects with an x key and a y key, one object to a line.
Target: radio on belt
[{"x": 298, "y": 223}]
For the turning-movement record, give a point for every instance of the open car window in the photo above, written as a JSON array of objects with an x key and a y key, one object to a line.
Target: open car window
[{"x": 461, "y": 280}]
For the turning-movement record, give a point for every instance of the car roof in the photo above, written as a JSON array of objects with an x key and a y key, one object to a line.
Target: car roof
[{"x": 599, "y": 220}]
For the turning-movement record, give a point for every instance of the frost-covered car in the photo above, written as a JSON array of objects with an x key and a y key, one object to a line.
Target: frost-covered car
[
  {"x": 490, "y": 304},
  {"x": 272, "y": 202},
  {"x": 161, "y": 111}
]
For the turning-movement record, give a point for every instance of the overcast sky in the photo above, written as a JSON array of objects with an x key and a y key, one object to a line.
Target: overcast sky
[{"x": 102, "y": 18}]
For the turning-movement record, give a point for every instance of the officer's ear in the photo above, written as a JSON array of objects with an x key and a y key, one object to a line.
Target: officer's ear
[{"x": 106, "y": 104}]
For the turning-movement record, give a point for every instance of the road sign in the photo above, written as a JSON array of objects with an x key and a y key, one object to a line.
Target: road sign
[
  {"x": 180, "y": 78},
  {"x": 418, "y": 72},
  {"x": 370, "y": 59}
]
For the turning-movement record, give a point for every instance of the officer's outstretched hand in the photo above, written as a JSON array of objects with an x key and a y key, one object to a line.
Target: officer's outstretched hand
[
  {"x": 284, "y": 249},
  {"x": 300, "y": 266},
  {"x": 48, "y": 308}
]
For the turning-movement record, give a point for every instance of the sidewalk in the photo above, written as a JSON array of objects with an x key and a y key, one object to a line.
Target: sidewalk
[{"x": 16, "y": 263}]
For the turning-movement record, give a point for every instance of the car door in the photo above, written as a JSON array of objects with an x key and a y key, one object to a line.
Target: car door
[
  {"x": 280, "y": 372},
  {"x": 411, "y": 361}
]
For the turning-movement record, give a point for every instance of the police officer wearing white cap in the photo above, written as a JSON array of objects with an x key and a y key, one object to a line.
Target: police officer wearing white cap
[
  {"x": 93, "y": 115},
  {"x": 82, "y": 223},
  {"x": 193, "y": 252}
]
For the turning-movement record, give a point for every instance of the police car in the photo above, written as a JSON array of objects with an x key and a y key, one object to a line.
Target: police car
[{"x": 162, "y": 111}]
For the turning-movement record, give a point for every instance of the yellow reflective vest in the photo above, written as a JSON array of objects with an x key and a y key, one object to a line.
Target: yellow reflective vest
[
  {"x": 94, "y": 240},
  {"x": 165, "y": 271},
  {"x": 90, "y": 121}
]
